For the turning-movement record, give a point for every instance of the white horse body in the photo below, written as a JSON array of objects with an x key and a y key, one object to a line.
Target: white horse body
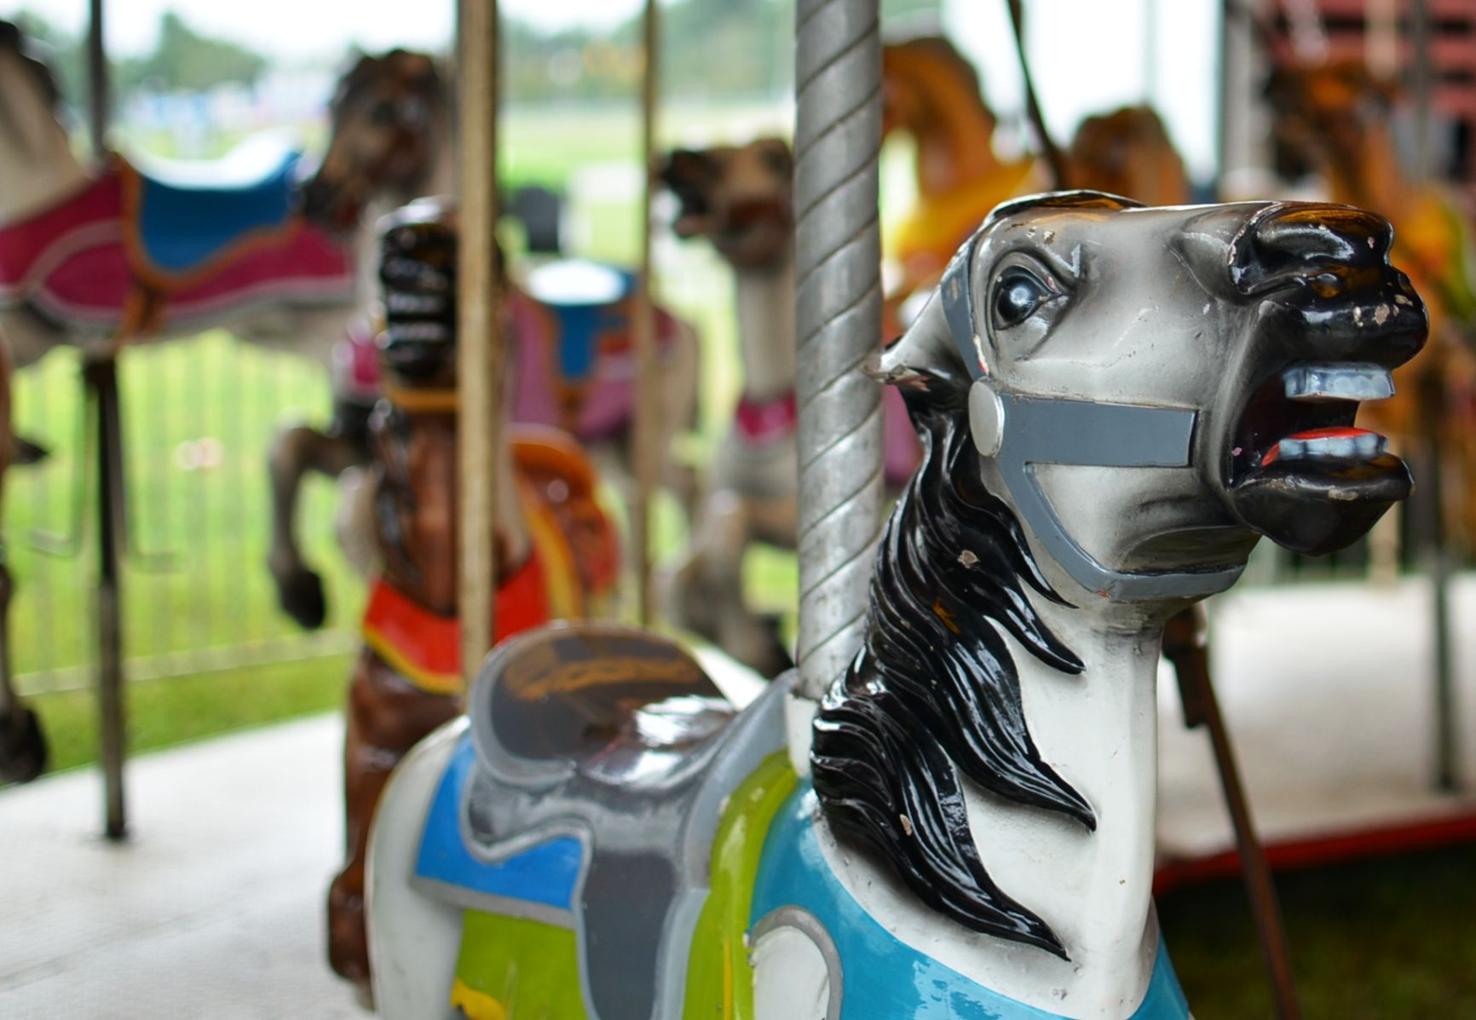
[{"x": 1116, "y": 404}]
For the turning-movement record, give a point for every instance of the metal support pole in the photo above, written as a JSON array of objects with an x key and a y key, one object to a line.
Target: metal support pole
[
  {"x": 1184, "y": 645},
  {"x": 648, "y": 425},
  {"x": 838, "y": 318},
  {"x": 479, "y": 369},
  {"x": 1430, "y": 501},
  {"x": 97, "y": 80},
  {"x": 100, "y": 379},
  {"x": 1423, "y": 87}
]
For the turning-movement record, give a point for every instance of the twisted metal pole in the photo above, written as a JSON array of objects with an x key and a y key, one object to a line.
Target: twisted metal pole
[{"x": 838, "y": 317}]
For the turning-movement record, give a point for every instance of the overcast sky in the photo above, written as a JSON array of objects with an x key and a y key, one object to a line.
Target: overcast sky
[{"x": 1088, "y": 55}]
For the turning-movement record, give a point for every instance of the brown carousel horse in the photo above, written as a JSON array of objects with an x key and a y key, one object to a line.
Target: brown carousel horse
[
  {"x": 556, "y": 550},
  {"x": 570, "y": 360},
  {"x": 931, "y": 93},
  {"x": 1333, "y": 118}
]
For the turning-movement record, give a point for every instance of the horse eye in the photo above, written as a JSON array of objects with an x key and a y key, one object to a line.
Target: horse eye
[
  {"x": 1017, "y": 295},
  {"x": 382, "y": 112}
]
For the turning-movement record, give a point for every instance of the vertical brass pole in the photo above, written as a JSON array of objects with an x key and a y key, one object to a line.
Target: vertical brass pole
[
  {"x": 648, "y": 425},
  {"x": 479, "y": 376}
]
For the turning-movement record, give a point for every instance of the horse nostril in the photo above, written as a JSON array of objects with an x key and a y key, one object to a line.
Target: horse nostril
[{"x": 1307, "y": 243}]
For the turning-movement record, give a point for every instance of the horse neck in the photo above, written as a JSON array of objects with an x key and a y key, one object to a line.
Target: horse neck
[
  {"x": 420, "y": 453},
  {"x": 1094, "y": 888},
  {"x": 36, "y": 177},
  {"x": 765, "y": 304}
]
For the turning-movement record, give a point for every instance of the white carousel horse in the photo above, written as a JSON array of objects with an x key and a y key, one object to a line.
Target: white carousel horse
[
  {"x": 570, "y": 356},
  {"x": 1115, "y": 404},
  {"x": 92, "y": 257},
  {"x": 739, "y": 198}
]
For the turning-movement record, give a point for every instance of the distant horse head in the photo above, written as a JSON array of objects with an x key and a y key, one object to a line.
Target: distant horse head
[
  {"x": 1324, "y": 113},
  {"x": 1115, "y": 404},
  {"x": 1129, "y": 152},
  {"x": 736, "y": 196},
  {"x": 36, "y": 161},
  {"x": 390, "y": 122}
]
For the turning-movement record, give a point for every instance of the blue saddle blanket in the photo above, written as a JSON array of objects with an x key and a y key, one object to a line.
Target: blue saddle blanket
[
  {"x": 545, "y": 874},
  {"x": 181, "y": 228}
]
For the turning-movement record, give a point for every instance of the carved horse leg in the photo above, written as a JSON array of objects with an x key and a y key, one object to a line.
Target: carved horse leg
[
  {"x": 295, "y": 452},
  {"x": 22, "y": 744},
  {"x": 387, "y": 715},
  {"x": 23, "y": 750},
  {"x": 706, "y": 592}
]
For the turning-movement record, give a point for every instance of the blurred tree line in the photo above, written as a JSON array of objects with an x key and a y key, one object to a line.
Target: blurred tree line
[
  {"x": 710, "y": 49},
  {"x": 183, "y": 60}
]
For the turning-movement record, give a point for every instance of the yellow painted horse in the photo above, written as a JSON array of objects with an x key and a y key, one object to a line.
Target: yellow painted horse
[{"x": 932, "y": 93}]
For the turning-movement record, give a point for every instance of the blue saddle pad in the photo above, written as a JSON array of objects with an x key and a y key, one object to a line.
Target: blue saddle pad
[
  {"x": 586, "y": 299},
  {"x": 545, "y": 874},
  {"x": 181, "y": 228}
]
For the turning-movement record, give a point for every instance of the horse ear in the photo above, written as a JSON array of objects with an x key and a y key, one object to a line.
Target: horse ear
[{"x": 925, "y": 352}]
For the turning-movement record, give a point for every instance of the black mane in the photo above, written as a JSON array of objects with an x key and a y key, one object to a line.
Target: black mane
[{"x": 934, "y": 690}]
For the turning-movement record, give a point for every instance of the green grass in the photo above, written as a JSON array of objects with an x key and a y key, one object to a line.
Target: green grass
[
  {"x": 1378, "y": 940},
  {"x": 163, "y": 713}
]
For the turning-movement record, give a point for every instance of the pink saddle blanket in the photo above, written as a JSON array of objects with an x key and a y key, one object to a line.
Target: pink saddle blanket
[{"x": 82, "y": 264}]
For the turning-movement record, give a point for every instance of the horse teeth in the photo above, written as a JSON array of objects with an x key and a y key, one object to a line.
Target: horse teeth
[
  {"x": 1337, "y": 381},
  {"x": 1365, "y": 446}
]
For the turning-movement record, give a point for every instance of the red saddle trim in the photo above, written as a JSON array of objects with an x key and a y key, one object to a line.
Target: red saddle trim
[
  {"x": 426, "y": 647},
  {"x": 763, "y": 421}
]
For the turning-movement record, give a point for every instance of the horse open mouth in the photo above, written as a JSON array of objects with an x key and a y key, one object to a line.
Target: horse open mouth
[{"x": 1301, "y": 472}]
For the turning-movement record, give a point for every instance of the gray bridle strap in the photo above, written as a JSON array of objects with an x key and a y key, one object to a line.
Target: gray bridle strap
[{"x": 1050, "y": 430}]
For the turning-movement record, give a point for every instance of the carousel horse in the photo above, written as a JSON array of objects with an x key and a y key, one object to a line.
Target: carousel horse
[
  {"x": 95, "y": 259},
  {"x": 931, "y": 92},
  {"x": 570, "y": 355},
  {"x": 555, "y": 548},
  {"x": 23, "y": 750},
  {"x": 1333, "y": 119},
  {"x": 577, "y": 369},
  {"x": 738, "y": 198},
  {"x": 1115, "y": 404}
]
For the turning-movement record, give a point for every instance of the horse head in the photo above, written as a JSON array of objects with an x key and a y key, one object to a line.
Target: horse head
[
  {"x": 1323, "y": 113},
  {"x": 36, "y": 161},
  {"x": 1116, "y": 403},
  {"x": 927, "y": 85},
  {"x": 389, "y": 123},
  {"x": 736, "y": 196},
  {"x": 1129, "y": 152}
]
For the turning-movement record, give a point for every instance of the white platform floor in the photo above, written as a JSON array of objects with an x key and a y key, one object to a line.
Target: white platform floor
[{"x": 214, "y": 908}]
